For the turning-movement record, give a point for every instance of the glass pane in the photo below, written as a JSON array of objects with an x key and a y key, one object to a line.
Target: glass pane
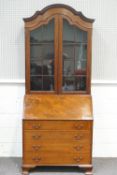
[
  {"x": 35, "y": 51},
  {"x": 42, "y": 57},
  {"x": 68, "y": 52},
  {"x": 68, "y": 67},
  {"x": 68, "y": 64},
  {"x": 36, "y": 83},
  {"x": 74, "y": 83},
  {"x": 80, "y": 35},
  {"x": 80, "y": 57},
  {"x": 48, "y": 60},
  {"x": 36, "y": 35},
  {"x": 68, "y": 83},
  {"x": 48, "y": 83},
  {"x": 68, "y": 32},
  {"x": 36, "y": 68},
  {"x": 74, "y": 57},
  {"x": 43, "y": 33},
  {"x": 48, "y": 32},
  {"x": 80, "y": 83}
]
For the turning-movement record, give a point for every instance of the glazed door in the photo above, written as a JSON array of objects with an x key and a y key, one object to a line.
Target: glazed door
[
  {"x": 43, "y": 57},
  {"x": 58, "y": 57},
  {"x": 73, "y": 58}
]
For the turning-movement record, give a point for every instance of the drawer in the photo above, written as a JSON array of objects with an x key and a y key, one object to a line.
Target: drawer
[
  {"x": 55, "y": 137},
  {"x": 56, "y": 158},
  {"x": 57, "y": 125},
  {"x": 67, "y": 148},
  {"x": 70, "y": 141}
]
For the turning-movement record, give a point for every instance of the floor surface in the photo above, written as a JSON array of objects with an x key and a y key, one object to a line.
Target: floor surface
[{"x": 102, "y": 166}]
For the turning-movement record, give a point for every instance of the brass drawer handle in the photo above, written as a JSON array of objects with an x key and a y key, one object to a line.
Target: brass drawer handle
[
  {"x": 78, "y": 148},
  {"x": 36, "y": 137},
  {"x": 78, "y": 159},
  {"x": 81, "y": 126},
  {"x": 36, "y": 126},
  {"x": 36, "y": 148},
  {"x": 79, "y": 137},
  {"x": 36, "y": 159}
]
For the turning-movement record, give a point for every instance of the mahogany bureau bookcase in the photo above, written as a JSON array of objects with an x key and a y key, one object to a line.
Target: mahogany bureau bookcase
[{"x": 57, "y": 116}]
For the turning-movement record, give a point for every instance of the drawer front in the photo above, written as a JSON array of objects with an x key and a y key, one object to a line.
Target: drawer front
[
  {"x": 70, "y": 141},
  {"x": 57, "y": 125},
  {"x": 56, "y": 158},
  {"x": 67, "y": 148},
  {"x": 56, "y": 137}
]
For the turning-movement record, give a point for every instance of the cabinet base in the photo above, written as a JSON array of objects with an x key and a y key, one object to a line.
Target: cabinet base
[
  {"x": 86, "y": 168},
  {"x": 26, "y": 169},
  {"x": 89, "y": 172},
  {"x": 25, "y": 173}
]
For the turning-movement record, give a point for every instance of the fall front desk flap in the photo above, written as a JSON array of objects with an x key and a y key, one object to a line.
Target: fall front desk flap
[{"x": 56, "y": 107}]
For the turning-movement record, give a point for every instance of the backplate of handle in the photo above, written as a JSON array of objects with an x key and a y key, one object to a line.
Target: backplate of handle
[
  {"x": 78, "y": 159},
  {"x": 78, "y": 137},
  {"x": 36, "y": 126},
  {"x": 79, "y": 126},
  {"x": 36, "y": 148},
  {"x": 36, "y": 159},
  {"x": 78, "y": 148},
  {"x": 36, "y": 137}
]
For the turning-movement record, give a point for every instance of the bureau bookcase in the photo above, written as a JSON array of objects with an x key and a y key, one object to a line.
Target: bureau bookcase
[{"x": 57, "y": 115}]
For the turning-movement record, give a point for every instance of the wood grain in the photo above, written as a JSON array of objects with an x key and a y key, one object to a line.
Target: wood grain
[
  {"x": 57, "y": 158},
  {"x": 54, "y": 137},
  {"x": 57, "y": 127},
  {"x": 58, "y": 13},
  {"x": 37, "y": 13},
  {"x": 56, "y": 107},
  {"x": 67, "y": 141}
]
